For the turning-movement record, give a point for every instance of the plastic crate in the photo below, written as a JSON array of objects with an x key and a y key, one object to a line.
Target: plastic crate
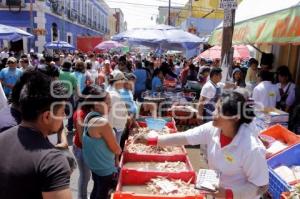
[
  {"x": 137, "y": 157},
  {"x": 143, "y": 179},
  {"x": 171, "y": 124},
  {"x": 288, "y": 158},
  {"x": 132, "y": 175},
  {"x": 281, "y": 133}
]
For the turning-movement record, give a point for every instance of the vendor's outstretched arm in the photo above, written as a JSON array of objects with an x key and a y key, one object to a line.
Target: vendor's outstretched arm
[{"x": 195, "y": 136}]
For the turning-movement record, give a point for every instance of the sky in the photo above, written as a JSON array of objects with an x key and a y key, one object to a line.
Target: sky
[{"x": 138, "y": 13}]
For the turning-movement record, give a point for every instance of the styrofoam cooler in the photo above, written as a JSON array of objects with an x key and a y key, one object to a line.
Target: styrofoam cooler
[
  {"x": 263, "y": 125},
  {"x": 272, "y": 115}
]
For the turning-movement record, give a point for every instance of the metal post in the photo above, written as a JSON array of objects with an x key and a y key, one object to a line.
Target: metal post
[
  {"x": 63, "y": 27},
  {"x": 169, "y": 15},
  {"x": 31, "y": 40}
]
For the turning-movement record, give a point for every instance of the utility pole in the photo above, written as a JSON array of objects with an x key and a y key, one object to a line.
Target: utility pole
[
  {"x": 169, "y": 15},
  {"x": 229, "y": 7},
  {"x": 31, "y": 40}
]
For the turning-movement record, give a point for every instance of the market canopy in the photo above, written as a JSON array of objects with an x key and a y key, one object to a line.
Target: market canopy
[
  {"x": 59, "y": 45},
  {"x": 12, "y": 33},
  {"x": 267, "y": 21},
  {"x": 240, "y": 52},
  {"x": 161, "y": 36}
]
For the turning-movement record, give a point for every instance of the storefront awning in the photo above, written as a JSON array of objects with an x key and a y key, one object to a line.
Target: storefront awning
[{"x": 274, "y": 22}]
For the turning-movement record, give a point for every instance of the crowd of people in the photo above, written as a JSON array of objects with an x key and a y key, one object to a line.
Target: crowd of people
[{"x": 102, "y": 95}]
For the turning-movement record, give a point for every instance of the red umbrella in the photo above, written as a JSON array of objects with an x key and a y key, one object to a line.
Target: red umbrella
[
  {"x": 107, "y": 45},
  {"x": 240, "y": 52}
]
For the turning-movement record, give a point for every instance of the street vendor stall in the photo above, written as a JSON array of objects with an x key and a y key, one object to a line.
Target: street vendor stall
[
  {"x": 270, "y": 22},
  {"x": 155, "y": 172}
]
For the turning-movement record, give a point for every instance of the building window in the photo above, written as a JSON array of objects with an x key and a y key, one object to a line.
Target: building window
[
  {"x": 102, "y": 22},
  {"x": 13, "y": 2},
  {"x": 69, "y": 38},
  {"x": 54, "y": 31},
  {"x": 99, "y": 21},
  {"x": 79, "y": 5}
]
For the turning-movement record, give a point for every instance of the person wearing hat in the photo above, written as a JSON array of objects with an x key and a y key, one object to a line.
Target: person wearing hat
[
  {"x": 238, "y": 78},
  {"x": 118, "y": 115},
  {"x": 203, "y": 75},
  {"x": 127, "y": 96},
  {"x": 10, "y": 75},
  {"x": 104, "y": 74}
]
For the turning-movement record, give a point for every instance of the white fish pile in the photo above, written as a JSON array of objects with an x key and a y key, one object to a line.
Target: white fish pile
[
  {"x": 163, "y": 186},
  {"x": 171, "y": 166},
  {"x": 144, "y": 149},
  {"x": 157, "y": 166},
  {"x": 141, "y": 148}
]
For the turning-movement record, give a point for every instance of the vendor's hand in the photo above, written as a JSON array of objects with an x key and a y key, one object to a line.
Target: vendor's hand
[
  {"x": 142, "y": 139},
  {"x": 220, "y": 194}
]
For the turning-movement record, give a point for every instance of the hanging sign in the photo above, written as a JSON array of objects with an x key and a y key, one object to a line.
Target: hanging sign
[
  {"x": 227, "y": 18},
  {"x": 228, "y": 4}
]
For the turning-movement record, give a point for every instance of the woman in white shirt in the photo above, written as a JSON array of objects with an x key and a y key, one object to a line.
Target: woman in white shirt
[
  {"x": 233, "y": 149},
  {"x": 266, "y": 94},
  {"x": 286, "y": 88}
]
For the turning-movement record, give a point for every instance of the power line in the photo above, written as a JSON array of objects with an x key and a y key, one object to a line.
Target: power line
[
  {"x": 156, "y": 6},
  {"x": 182, "y": 4}
]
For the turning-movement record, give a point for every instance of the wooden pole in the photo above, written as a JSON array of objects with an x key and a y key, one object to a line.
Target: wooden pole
[{"x": 227, "y": 50}]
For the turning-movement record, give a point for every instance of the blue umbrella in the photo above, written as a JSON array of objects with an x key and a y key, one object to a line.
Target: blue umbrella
[
  {"x": 12, "y": 33},
  {"x": 59, "y": 45},
  {"x": 163, "y": 36}
]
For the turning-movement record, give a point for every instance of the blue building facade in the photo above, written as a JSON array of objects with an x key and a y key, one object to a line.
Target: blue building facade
[{"x": 51, "y": 20}]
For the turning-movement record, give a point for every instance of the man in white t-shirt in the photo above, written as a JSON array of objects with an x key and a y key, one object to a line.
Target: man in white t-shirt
[
  {"x": 95, "y": 64},
  {"x": 210, "y": 94},
  {"x": 266, "y": 94},
  {"x": 4, "y": 54}
]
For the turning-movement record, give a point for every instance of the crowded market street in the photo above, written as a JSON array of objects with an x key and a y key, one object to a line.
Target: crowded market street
[{"x": 161, "y": 99}]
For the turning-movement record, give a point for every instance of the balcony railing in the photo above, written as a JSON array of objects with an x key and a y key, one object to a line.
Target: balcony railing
[
  {"x": 82, "y": 19},
  {"x": 89, "y": 22},
  {"x": 94, "y": 25},
  {"x": 73, "y": 14}
]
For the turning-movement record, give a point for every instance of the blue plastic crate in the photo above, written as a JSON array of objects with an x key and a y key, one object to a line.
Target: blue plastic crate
[{"x": 289, "y": 157}]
